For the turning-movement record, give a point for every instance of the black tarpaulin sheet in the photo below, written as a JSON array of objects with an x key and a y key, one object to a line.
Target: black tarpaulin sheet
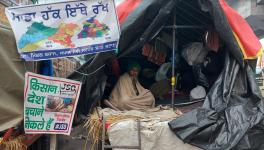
[
  {"x": 139, "y": 27},
  {"x": 151, "y": 15},
  {"x": 143, "y": 23},
  {"x": 233, "y": 111},
  {"x": 93, "y": 78},
  {"x": 231, "y": 114}
]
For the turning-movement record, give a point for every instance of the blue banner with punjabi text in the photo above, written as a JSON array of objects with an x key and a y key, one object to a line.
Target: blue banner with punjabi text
[{"x": 64, "y": 29}]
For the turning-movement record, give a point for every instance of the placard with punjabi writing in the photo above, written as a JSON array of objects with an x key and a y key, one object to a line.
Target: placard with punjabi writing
[
  {"x": 64, "y": 29},
  {"x": 50, "y": 104}
]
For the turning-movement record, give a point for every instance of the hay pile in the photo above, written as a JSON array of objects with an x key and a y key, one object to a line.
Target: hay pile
[{"x": 14, "y": 144}]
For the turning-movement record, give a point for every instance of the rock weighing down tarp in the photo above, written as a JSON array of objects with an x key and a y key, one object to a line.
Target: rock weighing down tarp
[
  {"x": 233, "y": 111},
  {"x": 64, "y": 29}
]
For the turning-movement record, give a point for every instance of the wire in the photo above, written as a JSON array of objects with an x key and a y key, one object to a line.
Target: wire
[{"x": 91, "y": 72}]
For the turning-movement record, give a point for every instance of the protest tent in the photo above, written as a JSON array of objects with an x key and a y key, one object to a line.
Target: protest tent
[
  {"x": 12, "y": 83},
  {"x": 232, "y": 114},
  {"x": 139, "y": 26}
]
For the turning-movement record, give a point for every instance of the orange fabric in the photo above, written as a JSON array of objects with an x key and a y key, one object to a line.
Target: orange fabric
[
  {"x": 246, "y": 38},
  {"x": 115, "y": 67},
  {"x": 154, "y": 56},
  {"x": 7, "y": 134},
  {"x": 125, "y": 8}
]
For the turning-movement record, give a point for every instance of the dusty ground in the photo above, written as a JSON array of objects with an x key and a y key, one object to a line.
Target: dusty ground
[{"x": 75, "y": 141}]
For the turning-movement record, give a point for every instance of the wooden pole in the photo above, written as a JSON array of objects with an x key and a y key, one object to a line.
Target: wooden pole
[{"x": 53, "y": 142}]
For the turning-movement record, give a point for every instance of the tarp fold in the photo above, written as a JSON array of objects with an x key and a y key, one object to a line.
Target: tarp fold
[{"x": 232, "y": 111}]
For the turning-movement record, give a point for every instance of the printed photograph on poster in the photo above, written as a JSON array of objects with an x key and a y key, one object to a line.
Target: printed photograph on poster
[
  {"x": 64, "y": 29},
  {"x": 59, "y": 104},
  {"x": 50, "y": 104}
]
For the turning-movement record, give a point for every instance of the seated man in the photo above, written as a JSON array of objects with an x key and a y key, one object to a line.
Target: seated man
[{"x": 128, "y": 94}]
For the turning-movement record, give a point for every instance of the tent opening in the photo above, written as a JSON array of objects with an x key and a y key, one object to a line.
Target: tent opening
[{"x": 199, "y": 57}]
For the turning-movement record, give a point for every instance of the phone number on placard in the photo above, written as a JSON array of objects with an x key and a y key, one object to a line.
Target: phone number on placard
[{"x": 60, "y": 126}]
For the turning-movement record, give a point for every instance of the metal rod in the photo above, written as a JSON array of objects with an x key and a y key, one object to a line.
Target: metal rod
[
  {"x": 173, "y": 80},
  {"x": 158, "y": 31},
  {"x": 183, "y": 27},
  {"x": 123, "y": 147},
  {"x": 53, "y": 142},
  {"x": 139, "y": 134},
  {"x": 5, "y": 27},
  {"x": 103, "y": 134}
]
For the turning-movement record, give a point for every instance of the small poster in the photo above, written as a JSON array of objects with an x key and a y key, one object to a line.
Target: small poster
[
  {"x": 50, "y": 104},
  {"x": 64, "y": 29}
]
